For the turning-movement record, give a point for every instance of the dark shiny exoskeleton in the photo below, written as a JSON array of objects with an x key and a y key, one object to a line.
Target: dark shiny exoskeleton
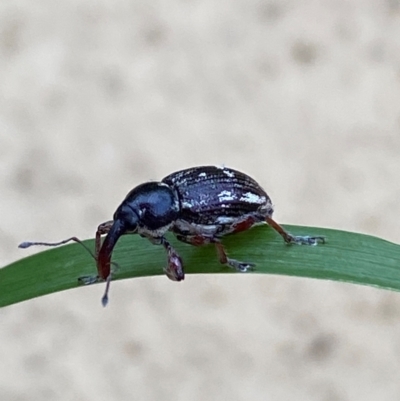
[{"x": 200, "y": 205}]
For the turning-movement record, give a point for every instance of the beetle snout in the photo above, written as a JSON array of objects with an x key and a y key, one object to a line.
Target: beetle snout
[{"x": 104, "y": 256}]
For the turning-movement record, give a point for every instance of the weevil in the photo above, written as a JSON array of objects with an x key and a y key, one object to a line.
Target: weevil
[{"x": 199, "y": 205}]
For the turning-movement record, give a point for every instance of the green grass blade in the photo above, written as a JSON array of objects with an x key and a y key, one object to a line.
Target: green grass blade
[{"x": 346, "y": 256}]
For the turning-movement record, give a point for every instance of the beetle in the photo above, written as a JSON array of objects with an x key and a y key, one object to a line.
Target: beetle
[{"x": 199, "y": 205}]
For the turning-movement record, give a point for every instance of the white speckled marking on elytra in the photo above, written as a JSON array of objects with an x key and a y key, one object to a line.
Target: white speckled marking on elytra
[
  {"x": 225, "y": 220},
  {"x": 187, "y": 204},
  {"x": 196, "y": 229},
  {"x": 226, "y": 196},
  {"x": 252, "y": 198},
  {"x": 230, "y": 174},
  {"x": 202, "y": 175}
]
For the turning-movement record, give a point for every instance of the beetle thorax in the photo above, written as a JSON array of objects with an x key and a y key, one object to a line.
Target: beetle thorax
[{"x": 155, "y": 205}]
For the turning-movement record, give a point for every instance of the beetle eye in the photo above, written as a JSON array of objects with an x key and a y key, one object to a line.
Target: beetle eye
[{"x": 127, "y": 217}]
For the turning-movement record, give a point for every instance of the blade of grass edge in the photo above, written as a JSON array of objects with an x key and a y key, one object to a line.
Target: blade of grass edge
[{"x": 349, "y": 257}]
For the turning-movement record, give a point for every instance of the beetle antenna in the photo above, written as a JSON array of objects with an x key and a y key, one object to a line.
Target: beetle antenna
[
  {"x": 86, "y": 279},
  {"x": 28, "y": 244},
  {"x": 104, "y": 299}
]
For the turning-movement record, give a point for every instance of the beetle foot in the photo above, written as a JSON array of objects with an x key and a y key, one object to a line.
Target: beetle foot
[
  {"x": 87, "y": 280},
  {"x": 242, "y": 267},
  {"x": 304, "y": 240},
  {"x": 174, "y": 270}
]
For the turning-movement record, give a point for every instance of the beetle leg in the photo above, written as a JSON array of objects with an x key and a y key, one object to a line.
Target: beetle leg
[
  {"x": 237, "y": 265},
  {"x": 174, "y": 269},
  {"x": 294, "y": 239},
  {"x": 102, "y": 229},
  {"x": 244, "y": 224},
  {"x": 199, "y": 240}
]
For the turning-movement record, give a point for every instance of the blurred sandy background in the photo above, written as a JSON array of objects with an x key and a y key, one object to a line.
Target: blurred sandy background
[{"x": 98, "y": 96}]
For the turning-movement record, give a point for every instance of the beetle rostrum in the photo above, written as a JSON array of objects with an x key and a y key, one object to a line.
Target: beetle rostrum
[{"x": 199, "y": 205}]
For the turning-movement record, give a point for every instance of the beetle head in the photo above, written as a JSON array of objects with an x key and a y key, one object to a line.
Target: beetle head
[{"x": 149, "y": 209}]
